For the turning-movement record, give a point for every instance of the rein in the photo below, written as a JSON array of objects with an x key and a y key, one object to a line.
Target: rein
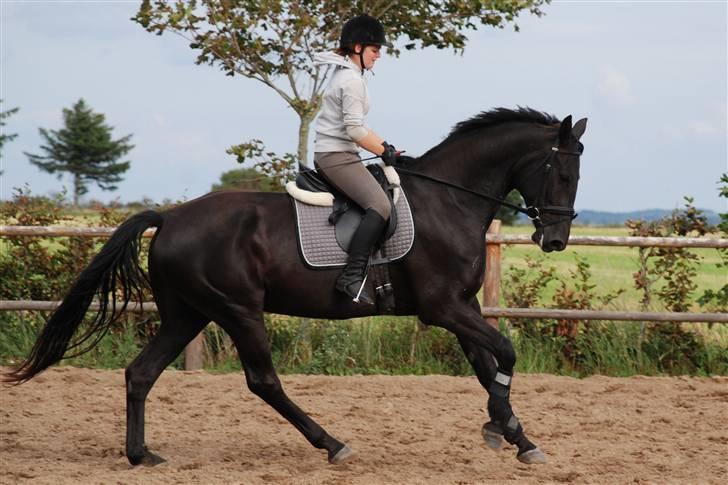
[{"x": 533, "y": 212}]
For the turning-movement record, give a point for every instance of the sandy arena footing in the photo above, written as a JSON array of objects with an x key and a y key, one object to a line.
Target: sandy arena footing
[{"x": 67, "y": 426}]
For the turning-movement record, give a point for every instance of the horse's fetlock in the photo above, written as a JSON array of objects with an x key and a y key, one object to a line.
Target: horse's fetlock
[
  {"x": 499, "y": 410},
  {"x": 135, "y": 457},
  {"x": 323, "y": 441}
]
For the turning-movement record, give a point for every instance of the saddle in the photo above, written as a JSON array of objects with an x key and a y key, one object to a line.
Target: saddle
[
  {"x": 326, "y": 221},
  {"x": 346, "y": 215}
]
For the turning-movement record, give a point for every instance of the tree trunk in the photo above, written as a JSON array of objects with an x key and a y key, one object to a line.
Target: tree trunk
[
  {"x": 76, "y": 189},
  {"x": 304, "y": 128}
]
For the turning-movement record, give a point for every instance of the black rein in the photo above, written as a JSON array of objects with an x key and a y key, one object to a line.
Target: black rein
[{"x": 533, "y": 212}]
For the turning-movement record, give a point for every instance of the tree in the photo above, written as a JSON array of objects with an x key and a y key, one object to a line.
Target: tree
[
  {"x": 245, "y": 179},
  {"x": 507, "y": 215},
  {"x": 83, "y": 148},
  {"x": 274, "y": 41},
  {"x": 4, "y": 138}
]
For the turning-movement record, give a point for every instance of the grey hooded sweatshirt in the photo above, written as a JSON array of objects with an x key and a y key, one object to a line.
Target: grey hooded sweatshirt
[{"x": 345, "y": 104}]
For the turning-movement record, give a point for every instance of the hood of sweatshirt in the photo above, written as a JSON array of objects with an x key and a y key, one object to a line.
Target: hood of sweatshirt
[{"x": 332, "y": 58}]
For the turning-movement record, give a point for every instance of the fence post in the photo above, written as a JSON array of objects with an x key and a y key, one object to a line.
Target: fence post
[
  {"x": 194, "y": 351},
  {"x": 492, "y": 280}
]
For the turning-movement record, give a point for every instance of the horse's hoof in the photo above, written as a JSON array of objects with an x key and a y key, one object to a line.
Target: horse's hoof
[
  {"x": 492, "y": 436},
  {"x": 147, "y": 459},
  {"x": 150, "y": 459},
  {"x": 532, "y": 457},
  {"x": 341, "y": 456}
]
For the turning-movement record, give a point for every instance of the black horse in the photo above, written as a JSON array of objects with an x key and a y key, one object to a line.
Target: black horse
[{"x": 228, "y": 257}]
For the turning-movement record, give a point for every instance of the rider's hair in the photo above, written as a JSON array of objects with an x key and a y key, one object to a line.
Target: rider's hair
[{"x": 344, "y": 51}]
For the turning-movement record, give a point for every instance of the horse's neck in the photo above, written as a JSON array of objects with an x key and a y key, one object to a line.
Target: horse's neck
[{"x": 485, "y": 161}]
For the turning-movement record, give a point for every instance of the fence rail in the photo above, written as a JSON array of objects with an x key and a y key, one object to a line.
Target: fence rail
[
  {"x": 62, "y": 231},
  {"x": 49, "y": 306},
  {"x": 493, "y": 238},
  {"x": 603, "y": 315},
  {"x": 497, "y": 312}
]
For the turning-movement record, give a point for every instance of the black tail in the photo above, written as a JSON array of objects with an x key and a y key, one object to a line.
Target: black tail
[{"x": 117, "y": 264}]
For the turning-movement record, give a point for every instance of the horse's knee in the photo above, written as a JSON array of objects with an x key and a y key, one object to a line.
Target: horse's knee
[
  {"x": 506, "y": 356},
  {"x": 266, "y": 387}
]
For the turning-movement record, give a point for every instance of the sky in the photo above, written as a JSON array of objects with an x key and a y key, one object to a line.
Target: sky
[{"x": 651, "y": 77}]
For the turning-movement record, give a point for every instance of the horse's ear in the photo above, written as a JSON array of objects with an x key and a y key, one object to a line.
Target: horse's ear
[
  {"x": 579, "y": 128},
  {"x": 565, "y": 131}
]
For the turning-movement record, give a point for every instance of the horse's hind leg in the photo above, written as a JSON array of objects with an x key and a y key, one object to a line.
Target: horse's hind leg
[
  {"x": 180, "y": 324},
  {"x": 248, "y": 333}
]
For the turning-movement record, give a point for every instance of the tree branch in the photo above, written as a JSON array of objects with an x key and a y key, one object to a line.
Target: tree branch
[{"x": 284, "y": 57}]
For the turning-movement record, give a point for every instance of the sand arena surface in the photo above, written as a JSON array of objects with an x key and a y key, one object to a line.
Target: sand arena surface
[{"x": 67, "y": 426}]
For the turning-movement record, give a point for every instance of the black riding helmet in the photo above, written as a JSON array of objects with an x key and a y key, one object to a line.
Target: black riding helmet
[{"x": 365, "y": 30}]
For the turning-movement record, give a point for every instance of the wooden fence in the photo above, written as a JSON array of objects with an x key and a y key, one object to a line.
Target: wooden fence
[{"x": 491, "y": 283}]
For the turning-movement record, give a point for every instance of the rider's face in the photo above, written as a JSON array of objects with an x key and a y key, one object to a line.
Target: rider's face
[{"x": 370, "y": 55}]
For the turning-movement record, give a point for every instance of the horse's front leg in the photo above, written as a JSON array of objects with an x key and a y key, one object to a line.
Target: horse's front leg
[
  {"x": 503, "y": 422},
  {"x": 492, "y": 356}
]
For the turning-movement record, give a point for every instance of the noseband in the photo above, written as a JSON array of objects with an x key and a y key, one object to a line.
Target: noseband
[{"x": 533, "y": 212}]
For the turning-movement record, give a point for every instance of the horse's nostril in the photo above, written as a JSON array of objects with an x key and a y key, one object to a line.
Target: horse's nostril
[{"x": 556, "y": 245}]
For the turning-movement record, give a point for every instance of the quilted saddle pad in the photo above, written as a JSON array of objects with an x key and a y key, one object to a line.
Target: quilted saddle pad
[{"x": 317, "y": 238}]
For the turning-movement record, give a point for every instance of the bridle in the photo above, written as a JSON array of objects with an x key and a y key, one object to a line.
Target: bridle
[{"x": 533, "y": 212}]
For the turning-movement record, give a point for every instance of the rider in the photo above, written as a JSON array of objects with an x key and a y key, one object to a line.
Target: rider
[{"x": 341, "y": 132}]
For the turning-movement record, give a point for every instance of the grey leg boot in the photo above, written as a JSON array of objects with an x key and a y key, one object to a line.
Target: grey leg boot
[{"x": 366, "y": 236}]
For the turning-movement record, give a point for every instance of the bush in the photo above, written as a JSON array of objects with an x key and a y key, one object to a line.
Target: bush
[
  {"x": 717, "y": 301},
  {"x": 587, "y": 347},
  {"x": 34, "y": 268}
]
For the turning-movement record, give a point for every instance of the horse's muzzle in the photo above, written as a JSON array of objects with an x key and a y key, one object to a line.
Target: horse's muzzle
[
  {"x": 548, "y": 245},
  {"x": 554, "y": 245}
]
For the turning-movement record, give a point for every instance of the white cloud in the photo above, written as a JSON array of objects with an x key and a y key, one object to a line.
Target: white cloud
[{"x": 615, "y": 85}]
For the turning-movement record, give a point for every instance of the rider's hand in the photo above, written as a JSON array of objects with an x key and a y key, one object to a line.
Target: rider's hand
[{"x": 390, "y": 154}]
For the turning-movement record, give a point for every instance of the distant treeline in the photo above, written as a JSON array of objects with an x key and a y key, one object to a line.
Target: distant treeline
[{"x": 599, "y": 218}]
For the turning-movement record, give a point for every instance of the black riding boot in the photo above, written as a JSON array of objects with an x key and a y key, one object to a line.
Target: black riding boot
[{"x": 352, "y": 278}]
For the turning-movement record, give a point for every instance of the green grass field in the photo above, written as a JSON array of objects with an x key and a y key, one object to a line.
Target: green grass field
[{"x": 612, "y": 267}]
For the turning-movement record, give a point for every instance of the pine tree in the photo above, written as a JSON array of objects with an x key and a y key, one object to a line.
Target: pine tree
[
  {"x": 4, "y": 137},
  {"x": 84, "y": 148}
]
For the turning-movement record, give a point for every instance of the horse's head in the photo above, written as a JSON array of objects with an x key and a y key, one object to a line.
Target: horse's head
[{"x": 550, "y": 189}]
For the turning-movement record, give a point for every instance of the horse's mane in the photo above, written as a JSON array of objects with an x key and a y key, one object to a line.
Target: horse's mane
[
  {"x": 495, "y": 116},
  {"x": 502, "y": 115}
]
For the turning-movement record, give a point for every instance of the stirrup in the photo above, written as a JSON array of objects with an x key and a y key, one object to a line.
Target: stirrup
[{"x": 357, "y": 295}]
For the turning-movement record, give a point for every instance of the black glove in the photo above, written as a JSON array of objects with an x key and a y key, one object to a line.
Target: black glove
[{"x": 390, "y": 154}]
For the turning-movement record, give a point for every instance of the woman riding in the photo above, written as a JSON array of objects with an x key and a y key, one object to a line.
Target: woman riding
[{"x": 341, "y": 132}]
